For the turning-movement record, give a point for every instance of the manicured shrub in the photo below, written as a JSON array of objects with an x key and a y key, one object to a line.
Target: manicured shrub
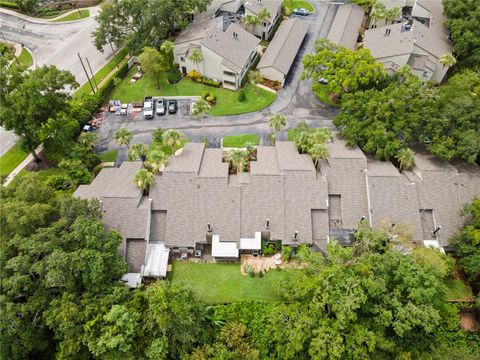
[
  {"x": 241, "y": 97},
  {"x": 211, "y": 98},
  {"x": 205, "y": 94},
  {"x": 9, "y": 5},
  {"x": 174, "y": 76},
  {"x": 194, "y": 75},
  {"x": 268, "y": 249},
  {"x": 260, "y": 273},
  {"x": 210, "y": 82},
  {"x": 286, "y": 253}
]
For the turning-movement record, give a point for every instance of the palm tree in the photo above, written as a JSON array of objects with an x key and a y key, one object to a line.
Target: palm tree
[
  {"x": 238, "y": 159},
  {"x": 251, "y": 20},
  {"x": 447, "y": 60},
  {"x": 138, "y": 151},
  {"x": 200, "y": 109},
  {"x": 249, "y": 148},
  {"x": 173, "y": 139},
  {"x": 196, "y": 57},
  {"x": 144, "y": 180},
  {"x": 264, "y": 15},
  {"x": 276, "y": 122},
  {"x": 167, "y": 48},
  {"x": 392, "y": 14},
  {"x": 155, "y": 160},
  {"x": 320, "y": 136},
  {"x": 378, "y": 12},
  {"x": 88, "y": 139},
  {"x": 318, "y": 151},
  {"x": 157, "y": 137},
  {"x": 406, "y": 158},
  {"x": 254, "y": 78},
  {"x": 123, "y": 137}
]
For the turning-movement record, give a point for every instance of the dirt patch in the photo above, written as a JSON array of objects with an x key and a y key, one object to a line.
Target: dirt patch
[
  {"x": 265, "y": 263},
  {"x": 469, "y": 321},
  {"x": 43, "y": 165}
]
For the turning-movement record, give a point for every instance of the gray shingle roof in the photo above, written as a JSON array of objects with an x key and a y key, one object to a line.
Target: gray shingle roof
[
  {"x": 392, "y": 197},
  {"x": 112, "y": 183},
  {"x": 255, "y": 6},
  {"x": 235, "y": 50},
  {"x": 431, "y": 39},
  {"x": 197, "y": 29},
  {"x": 284, "y": 186},
  {"x": 345, "y": 26},
  {"x": 284, "y": 47}
]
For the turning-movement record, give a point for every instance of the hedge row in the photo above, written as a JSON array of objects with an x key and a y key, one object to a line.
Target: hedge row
[
  {"x": 104, "y": 91},
  {"x": 9, "y": 5}
]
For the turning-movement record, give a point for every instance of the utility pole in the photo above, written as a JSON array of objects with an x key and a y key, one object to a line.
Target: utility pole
[
  {"x": 91, "y": 72},
  {"x": 86, "y": 73}
]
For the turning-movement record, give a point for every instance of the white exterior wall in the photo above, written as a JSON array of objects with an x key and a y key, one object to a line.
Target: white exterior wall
[
  {"x": 212, "y": 64},
  {"x": 260, "y": 29},
  {"x": 272, "y": 74}
]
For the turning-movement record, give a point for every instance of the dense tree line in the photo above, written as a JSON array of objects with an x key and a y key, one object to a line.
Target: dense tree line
[
  {"x": 462, "y": 22},
  {"x": 61, "y": 296},
  {"x": 386, "y": 115},
  {"x": 137, "y": 24}
]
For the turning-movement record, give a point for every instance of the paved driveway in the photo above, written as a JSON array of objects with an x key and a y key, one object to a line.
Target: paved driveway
[{"x": 296, "y": 101}]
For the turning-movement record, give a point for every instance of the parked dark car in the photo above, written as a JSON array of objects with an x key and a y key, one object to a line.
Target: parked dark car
[
  {"x": 172, "y": 106},
  {"x": 160, "y": 107},
  {"x": 301, "y": 11}
]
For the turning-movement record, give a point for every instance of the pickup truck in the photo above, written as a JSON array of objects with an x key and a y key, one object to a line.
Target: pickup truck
[{"x": 148, "y": 107}]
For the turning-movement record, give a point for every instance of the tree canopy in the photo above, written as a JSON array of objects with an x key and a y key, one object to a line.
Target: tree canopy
[
  {"x": 344, "y": 70},
  {"x": 31, "y": 101},
  {"x": 445, "y": 119},
  {"x": 137, "y": 23},
  {"x": 462, "y": 22}
]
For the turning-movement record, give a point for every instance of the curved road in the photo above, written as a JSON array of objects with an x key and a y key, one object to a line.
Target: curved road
[
  {"x": 53, "y": 43},
  {"x": 296, "y": 101}
]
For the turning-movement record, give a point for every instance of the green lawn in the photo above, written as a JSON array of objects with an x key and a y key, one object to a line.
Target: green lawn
[
  {"x": 223, "y": 283},
  {"x": 25, "y": 58},
  {"x": 458, "y": 290},
  {"x": 226, "y": 100},
  {"x": 289, "y": 5},
  {"x": 74, "y": 16},
  {"x": 101, "y": 74},
  {"x": 11, "y": 159},
  {"x": 322, "y": 94},
  {"x": 109, "y": 156},
  {"x": 238, "y": 141}
]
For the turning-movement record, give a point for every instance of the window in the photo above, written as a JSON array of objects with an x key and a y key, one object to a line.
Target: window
[
  {"x": 426, "y": 74},
  {"x": 265, "y": 24},
  {"x": 229, "y": 73},
  {"x": 182, "y": 58},
  {"x": 229, "y": 83}
]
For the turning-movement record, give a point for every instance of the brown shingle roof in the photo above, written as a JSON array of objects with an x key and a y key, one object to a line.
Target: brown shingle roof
[{"x": 284, "y": 47}]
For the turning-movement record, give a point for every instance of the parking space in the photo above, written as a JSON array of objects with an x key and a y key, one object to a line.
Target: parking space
[{"x": 135, "y": 110}]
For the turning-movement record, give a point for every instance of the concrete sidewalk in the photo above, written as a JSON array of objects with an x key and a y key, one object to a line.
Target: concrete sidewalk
[{"x": 21, "y": 166}]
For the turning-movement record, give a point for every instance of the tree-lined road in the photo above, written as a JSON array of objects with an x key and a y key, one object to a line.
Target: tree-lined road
[{"x": 53, "y": 44}]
